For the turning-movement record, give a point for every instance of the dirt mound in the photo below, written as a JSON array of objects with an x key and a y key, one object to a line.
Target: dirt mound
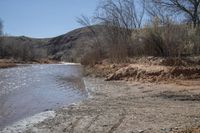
[
  {"x": 179, "y": 62},
  {"x": 154, "y": 73},
  {"x": 150, "y": 69},
  {"x": 151, "y": 60},
  {"x": 185, "y": 71},
  {"x": 102, "y": 70}
]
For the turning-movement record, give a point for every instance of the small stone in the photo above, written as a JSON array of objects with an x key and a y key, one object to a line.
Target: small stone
[{"x": 141, "y": 131}]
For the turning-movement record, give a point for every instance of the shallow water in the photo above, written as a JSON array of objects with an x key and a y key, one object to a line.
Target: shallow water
[{"x": 31, "y": 89}]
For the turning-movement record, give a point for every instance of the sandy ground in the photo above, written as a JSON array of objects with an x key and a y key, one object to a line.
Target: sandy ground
[{"x": 128, "y": 107}]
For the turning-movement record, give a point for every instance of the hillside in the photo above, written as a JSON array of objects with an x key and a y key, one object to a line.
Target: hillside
[
  {"x": 69, "y": 47},
  {"x": 25, "y": 40},
  {"x": 81, "y": 43},
  {"x": 74, "y": 45}
]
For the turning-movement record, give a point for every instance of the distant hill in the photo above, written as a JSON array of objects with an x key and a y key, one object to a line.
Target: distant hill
[
  {"x": 14, "y": 40},
  {"x": 74, "y": 45},
  {"x": 71, "y": 46}
]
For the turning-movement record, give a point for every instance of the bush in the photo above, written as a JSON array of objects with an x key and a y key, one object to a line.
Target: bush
[
  {"x": 21, "y": 50},
  {"x": 169, "y": 40},
  {"x": 91, "y": 58},
  {"x": 194, "y": 41}
]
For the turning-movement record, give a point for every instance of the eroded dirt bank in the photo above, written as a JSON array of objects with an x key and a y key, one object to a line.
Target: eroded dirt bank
[
  {"x": 129, "y": 107},
  {"x": 6, "y": 63},
  {"x": 147, "y": 69}
]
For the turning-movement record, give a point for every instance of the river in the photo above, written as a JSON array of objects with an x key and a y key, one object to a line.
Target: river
[{"x": 30, "y": 89}]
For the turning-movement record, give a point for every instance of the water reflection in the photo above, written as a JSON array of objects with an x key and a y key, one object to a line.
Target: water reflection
[{"x": 25, "y": 91}]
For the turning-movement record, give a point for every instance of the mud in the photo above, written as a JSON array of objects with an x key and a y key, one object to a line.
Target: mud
[{"x": 128, "y": 107}]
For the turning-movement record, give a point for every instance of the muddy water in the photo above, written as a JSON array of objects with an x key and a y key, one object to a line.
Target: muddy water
[{"x": 27, "y": 90}]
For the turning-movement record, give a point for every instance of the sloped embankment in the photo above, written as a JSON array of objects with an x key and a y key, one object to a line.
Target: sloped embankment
[
  {"x": 154, "y": 73},
  {"x": 149, "y": 69}
]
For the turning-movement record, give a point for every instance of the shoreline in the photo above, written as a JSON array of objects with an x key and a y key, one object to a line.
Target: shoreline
[
  {"x": 9, "y": 63},
  {"x": 26, "y": 123},
  {"x": 138, "y": 104},
  {"x": 55, "y": 96},
  {"x": 130, "y": 107},
  {"x": 21, "y": 125},
  {"x": 6, "y": 63}
]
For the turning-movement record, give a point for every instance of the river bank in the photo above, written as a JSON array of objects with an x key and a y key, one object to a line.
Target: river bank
[
  {"x": 146, "y": 96},
  {"x": 147, "y": 69},
  {"x": 119, "y": 106},
  {"x": 8, "y": 63}
]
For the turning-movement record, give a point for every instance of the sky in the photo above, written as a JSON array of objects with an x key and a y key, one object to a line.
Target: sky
[{"x": 43, "y": 18}]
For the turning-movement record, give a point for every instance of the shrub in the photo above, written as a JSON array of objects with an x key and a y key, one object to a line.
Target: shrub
[
  {"x": 91, "y": 58},
  {"x": 169, "y": 40},
  {"x": 194, "y": 41}
]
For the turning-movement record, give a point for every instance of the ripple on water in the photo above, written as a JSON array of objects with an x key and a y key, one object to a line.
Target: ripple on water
[{"x": 25, "y": 91}]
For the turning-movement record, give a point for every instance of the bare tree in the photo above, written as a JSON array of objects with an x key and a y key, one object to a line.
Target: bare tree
[
  {"x": 1, "y": 27},
  {"x": 156, "y": 12},
  {"x": 85, "y": 21},
  {"x": 1, "y": 39},
  {"x": 188, "y": 8},
  {"x": 92, "y": 57},
  {"x": 120, "y": 17},
  {"x": 121, "y": 13}
]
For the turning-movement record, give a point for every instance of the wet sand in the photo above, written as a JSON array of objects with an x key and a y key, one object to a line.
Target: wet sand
[{"x": 128, "y": 107}]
